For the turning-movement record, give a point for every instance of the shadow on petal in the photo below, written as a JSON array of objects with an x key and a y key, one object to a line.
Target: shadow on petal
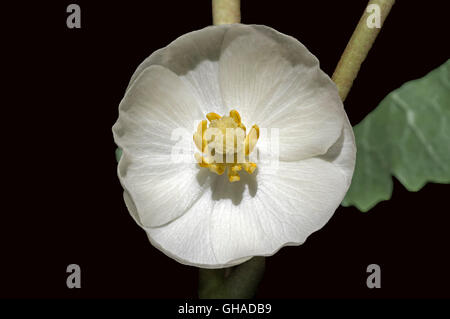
[
  {"x": 202, "y": 176},
  {"x": 335, "y": 150},
  {"x": 223, "y": 189}
]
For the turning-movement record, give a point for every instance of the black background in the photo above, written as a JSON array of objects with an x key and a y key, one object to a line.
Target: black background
[{"x": 64, "y": 199}]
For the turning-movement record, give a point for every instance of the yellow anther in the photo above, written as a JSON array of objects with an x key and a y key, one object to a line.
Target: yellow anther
[
  {"x": 251, "y": 139},
  {"x": 233, "y": 175},
  {"x": 236, "y": 168},
  {"x": 235, "y": 116},
  {"x": 219, "y": 169},
  {"x": 209, "y": 147},
  {"x": 199, "y": 141},
  {"x": 202, "y": 161},
  {"x": 212, "y": 116},
  {"x": 249, "y": 167}
]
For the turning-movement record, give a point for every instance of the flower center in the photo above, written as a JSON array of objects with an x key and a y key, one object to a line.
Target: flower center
[{"x": 225, "y": 145}]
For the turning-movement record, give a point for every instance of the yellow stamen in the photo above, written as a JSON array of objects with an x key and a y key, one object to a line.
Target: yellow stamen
[
  {"x": 233, "y": 170},
  {"x": 202, "y": 161},
  {"x": 235, "y": 116},
  {"x": 212, "y": 116},
  {"x": 217, "y": 158},
  {"x": 249, "y": 167},
  {"x": 216, "y": 168},
  {"x": 199, "y": 141},
  {"x": 251, "y": 139}
]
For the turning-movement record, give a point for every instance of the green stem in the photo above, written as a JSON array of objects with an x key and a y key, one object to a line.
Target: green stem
[
  {"x": 359, "y": 45},
  {"x": 239, "y": 282},
  {"x": 226, "y": 11}
]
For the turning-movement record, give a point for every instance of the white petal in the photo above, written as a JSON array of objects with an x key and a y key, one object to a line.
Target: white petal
[
  {"x": 187, "y": 241},
  {"x": 275, "y": 82},
  {"x": 194, "y": 58},
  {"x": 155, "y": 105},
  {"x": 262, "y": 213}
]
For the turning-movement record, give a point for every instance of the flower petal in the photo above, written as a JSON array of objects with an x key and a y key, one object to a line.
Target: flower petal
[
  {"x": 186, "y": 241},
  {"x": 275, "y": 82},
  {"x": 156, "y": 111},
  {"x": 261, "y": 213},
  {"x": 194, "y": 58},
  {"x": 343, "y": 153}
]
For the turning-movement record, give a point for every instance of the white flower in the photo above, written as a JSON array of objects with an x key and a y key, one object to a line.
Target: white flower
[{"x": 198, "y": 217}]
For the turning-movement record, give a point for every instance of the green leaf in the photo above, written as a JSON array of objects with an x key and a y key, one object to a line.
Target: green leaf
[
  {"x": 406, "y": 136},
  {"x": 118, "y": 154}
]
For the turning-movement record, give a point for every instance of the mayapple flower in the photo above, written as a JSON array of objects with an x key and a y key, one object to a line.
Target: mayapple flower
[{"x": 238, "y": 191}]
